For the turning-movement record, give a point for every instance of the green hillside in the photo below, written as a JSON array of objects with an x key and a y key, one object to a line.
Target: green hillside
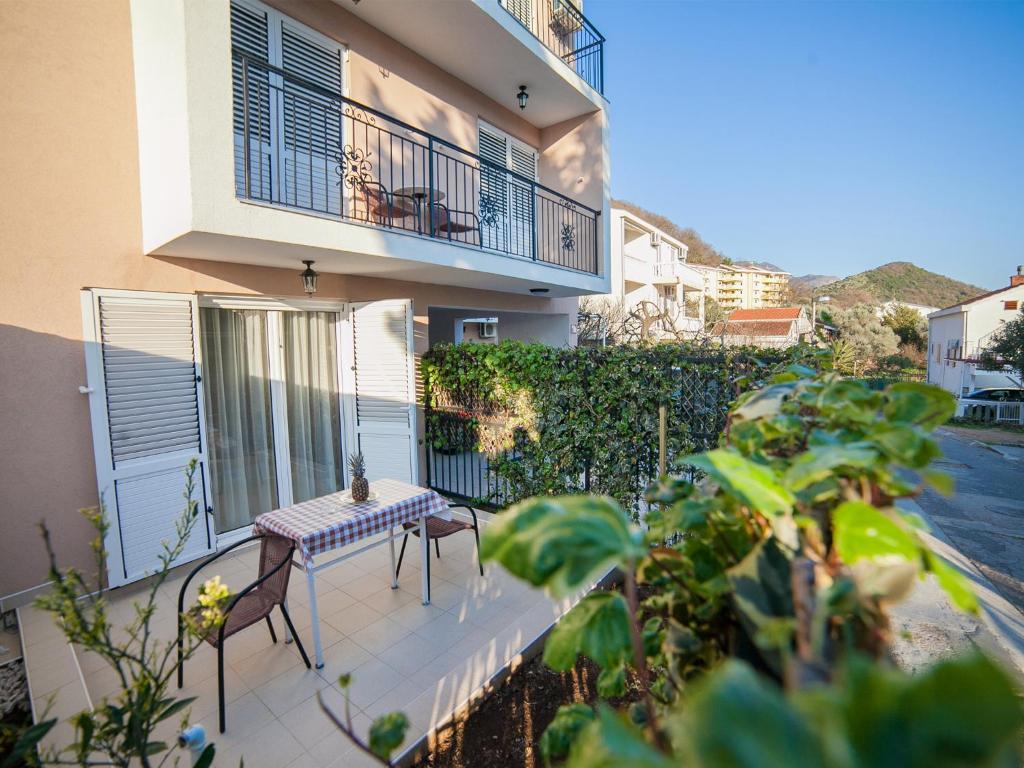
[{"x": 900, "y": 281}]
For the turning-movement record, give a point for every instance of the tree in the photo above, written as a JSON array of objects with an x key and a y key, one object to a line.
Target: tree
[
  {"x": 909, "y": 325},
  {"x": 1008, "y": 345},
  {"x": 119, "y": 730},
  {"x": 866, "y": 337},
  {"x": 713, "y": 312}
]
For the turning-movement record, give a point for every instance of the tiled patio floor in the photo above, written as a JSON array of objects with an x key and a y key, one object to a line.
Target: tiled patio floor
[{"x": 423, "y": 660}]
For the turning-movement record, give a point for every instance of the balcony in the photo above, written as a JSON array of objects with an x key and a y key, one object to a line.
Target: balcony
[
  {"x": 675, "y": 271},
  {"x": 302, "y": 147},
  {"x": 546, "y": 44},
  {"x": 567, "y": 33}
]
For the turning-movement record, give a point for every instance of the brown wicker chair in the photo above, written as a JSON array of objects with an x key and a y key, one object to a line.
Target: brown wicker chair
[
  {"x": 448, "y": 221},
  {"x": 386, "y": 206},
  {"x": 250, "y": 606},
  {"x": 439, "y": 528}
]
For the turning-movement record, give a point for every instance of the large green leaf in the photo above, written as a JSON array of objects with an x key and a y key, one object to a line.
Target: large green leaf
[
  {"x": 819, "y": 463},
  {"x": 560, "y": 734},
  {"x": 740, "y": 720},
  {"x": 612, "y": 742},
  {"x": 562, "y": 543},
  {"x": 922, "y": 404},
  {"x": 598, "y": 626},
  {"x": 864, "y": 532},
  {"x": 387, "y": 733},
  {"x": 954, "y": 583},
  {"x": 763, "y": 402},
  {"x": 762, "y": 592},
  {"x": 960, "y": 713},
  {"x": 754, "y": 484}
]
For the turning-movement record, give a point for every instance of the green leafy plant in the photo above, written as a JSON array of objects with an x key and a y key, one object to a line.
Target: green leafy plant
[
  {"x": 119, "y": 730},
  {"x": 753, "y": 613},
  {"x": 559, "y": 421},
  {"x": 386, "y": 732}
]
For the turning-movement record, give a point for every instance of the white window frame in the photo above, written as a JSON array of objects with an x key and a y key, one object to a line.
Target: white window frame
[
  {"x": 274, "y": 55},
  {"x": 509, "y": 141},
  {"x": 278, "y": 408}
]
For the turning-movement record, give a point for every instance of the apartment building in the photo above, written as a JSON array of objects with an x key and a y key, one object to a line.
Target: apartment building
[
  {"x": 232, "y": 226},
  {"x": 959, "y": 335},
  {"x": 649, "y": 273},
  {"x": 745, "y": 286}
]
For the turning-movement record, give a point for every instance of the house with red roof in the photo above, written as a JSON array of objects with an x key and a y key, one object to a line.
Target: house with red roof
[{"x": 770, "y": 327}]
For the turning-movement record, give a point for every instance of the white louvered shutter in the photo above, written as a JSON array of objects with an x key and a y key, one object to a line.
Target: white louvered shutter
[
  {"x": 522, "y": 160},
  {"x": 147, "y": 415},
  {"x": 493, "y": 208},
  {"x": 522, "y": 10},
  {"x": 250, "y": 37},
  {"x": 512, "y": 230},
  {"x": 312, "y": 118},
  {"x": 382, "y": 388}
]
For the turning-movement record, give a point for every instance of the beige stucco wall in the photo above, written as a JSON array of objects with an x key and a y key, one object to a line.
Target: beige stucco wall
[{"x": 72, "y": 220}]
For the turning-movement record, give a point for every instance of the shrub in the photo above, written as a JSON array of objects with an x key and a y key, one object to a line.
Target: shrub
[
  {"x": 584, "y": 419},
  {"x": 764, "y": 637}
]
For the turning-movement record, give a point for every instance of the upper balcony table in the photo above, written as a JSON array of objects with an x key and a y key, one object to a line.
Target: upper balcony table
[
  {"x": 330, "y": 522},
  {"x": 424, "y": 197}
]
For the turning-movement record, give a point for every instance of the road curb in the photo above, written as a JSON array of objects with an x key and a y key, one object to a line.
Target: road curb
[{"x": 938, "y": 629}]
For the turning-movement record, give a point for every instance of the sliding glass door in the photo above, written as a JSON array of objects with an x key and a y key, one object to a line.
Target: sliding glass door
[
  {"x": 273, "y": 407},
  {"x": 310, "y": 345}
]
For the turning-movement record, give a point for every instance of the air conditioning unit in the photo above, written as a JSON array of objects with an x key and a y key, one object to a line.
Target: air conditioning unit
[
  {"x": 488, "y": 330},
  {"x": 564, "y": 19},
  {"x": 655, "y": 239}
]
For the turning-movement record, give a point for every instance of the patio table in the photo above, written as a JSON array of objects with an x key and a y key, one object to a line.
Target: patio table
[{"x": 327, "y": 523}]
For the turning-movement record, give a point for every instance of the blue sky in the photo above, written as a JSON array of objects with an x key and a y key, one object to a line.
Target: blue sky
[{"x": 827, "y": 138}]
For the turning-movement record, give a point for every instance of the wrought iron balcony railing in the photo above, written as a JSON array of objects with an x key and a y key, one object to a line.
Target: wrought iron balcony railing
[
  {"x": 302, "y": 146},
  {"x": 566, "y": 32}
]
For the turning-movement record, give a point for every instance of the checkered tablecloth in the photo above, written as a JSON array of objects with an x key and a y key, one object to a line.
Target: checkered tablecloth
[{"x": 320, "y": 525}]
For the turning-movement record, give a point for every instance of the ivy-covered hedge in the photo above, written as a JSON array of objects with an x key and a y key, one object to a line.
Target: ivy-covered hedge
[{"x": 566, "y": 420}]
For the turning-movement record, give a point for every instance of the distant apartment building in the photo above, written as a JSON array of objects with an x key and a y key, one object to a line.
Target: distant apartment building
[
  {"x": 232, "y": 227},
  {"x": 958, "y": 337},
  {"x": 649, "y": 271},
  {"x": 745, "y": 286}
]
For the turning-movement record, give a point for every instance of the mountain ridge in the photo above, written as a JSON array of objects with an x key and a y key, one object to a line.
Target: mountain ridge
[{"x": 900, "y": 281}]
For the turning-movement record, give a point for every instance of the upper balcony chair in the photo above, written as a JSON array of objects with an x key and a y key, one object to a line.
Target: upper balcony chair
[
  {"x": 439, "y": 528},
  {"x": 446, "y": 221},
  {"x": 383, "y": 206},
  {"x": 250, "y": 606}
]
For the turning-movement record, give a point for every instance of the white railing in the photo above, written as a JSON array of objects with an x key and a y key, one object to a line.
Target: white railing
[{"x": 988, "y": 410}]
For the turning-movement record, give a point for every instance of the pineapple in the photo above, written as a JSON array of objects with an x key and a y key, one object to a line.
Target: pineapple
[{"x": 360, "y": 485}]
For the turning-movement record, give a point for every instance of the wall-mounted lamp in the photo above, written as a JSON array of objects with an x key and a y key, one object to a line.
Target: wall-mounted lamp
[
  {"x": 522, "y": 96},
  {"x": 309, "y": 277}
]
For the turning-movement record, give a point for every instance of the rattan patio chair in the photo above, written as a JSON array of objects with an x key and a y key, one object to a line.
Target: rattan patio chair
[
  {"x": 448, "y": 221},
  {"x": 251, "y": 605},
  {"x": 385, "y": 206},
  {"x": 439, "y": 528}
]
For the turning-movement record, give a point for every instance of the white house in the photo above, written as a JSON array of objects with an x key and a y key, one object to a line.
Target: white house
[
  {"x": 649, "y": 270},
  {"x": 922, "y": 309},
  {"x": 958, "y": 335}
]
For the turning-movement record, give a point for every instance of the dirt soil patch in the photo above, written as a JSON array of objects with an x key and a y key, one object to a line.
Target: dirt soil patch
[{"x": 505, "y": 730}]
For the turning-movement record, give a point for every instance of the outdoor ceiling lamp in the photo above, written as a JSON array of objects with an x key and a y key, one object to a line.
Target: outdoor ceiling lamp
[
  {"x": 309, "y": 277},
  {"x": 522, "y": 96}
]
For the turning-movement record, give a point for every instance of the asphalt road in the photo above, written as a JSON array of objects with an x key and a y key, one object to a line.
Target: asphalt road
[{"x": 984, "y": 518}]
